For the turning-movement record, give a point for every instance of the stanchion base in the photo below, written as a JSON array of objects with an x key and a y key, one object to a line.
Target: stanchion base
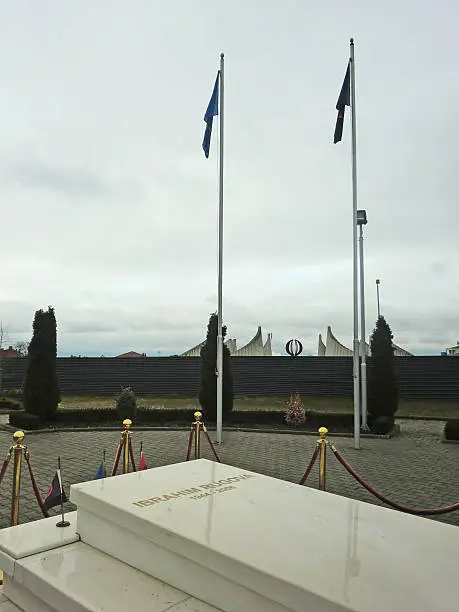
[{"x": 63, "y": 524}]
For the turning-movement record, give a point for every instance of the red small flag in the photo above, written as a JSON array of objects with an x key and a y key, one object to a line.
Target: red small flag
[{"x": 143, "y": 462}]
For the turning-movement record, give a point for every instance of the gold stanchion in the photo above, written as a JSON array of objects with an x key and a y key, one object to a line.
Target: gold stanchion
[
  {"x": 197, "y": 434},
  {"x": 17, "y": 450},
  {"x": 124, "y": 447},
  {"x": 323, "y": 431},
  {"x": 126, "y": 444}
]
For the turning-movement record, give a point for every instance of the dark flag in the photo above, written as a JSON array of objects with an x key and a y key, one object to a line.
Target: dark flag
[
  {"x": 343, "y": 101},
  {"x": 56, "y": 494},
  {"x": 211, "y": 112}
]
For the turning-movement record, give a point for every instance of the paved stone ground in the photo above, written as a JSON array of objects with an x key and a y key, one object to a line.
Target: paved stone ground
[{"x": 414, "y": 468}]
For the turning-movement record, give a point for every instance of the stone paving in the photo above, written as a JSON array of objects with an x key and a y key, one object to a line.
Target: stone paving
[{"x": 413, "y": 468}]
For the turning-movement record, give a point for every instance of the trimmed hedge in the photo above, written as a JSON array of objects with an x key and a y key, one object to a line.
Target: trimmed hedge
[
  {"x": 334, "y": 421},
  {"x": 24, "y": 420},
  {"x": 452, "y": 429},
  {"x": 9, "y": 405},
  {"x": 382, "y": 425}
]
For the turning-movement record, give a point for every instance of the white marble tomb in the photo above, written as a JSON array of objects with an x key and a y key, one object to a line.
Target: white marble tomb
[{"x": 236, "y": 540}]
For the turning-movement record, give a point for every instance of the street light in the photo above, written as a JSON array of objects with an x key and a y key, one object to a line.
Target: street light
[
  {"x": 361, "y": 221},
  {"x": 377, "y": 295}
]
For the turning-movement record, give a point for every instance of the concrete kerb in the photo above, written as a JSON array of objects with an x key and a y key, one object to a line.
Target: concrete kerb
[{"x": 11, "y": 429}]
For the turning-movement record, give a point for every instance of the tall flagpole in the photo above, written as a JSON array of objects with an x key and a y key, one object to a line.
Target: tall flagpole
[
  {"x": 356, "y": 364},
  {"x": 363, "y": 344},
  {"x": 219, "y": 372}
]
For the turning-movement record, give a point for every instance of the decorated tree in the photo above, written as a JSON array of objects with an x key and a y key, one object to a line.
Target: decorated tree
[{"x": 296, "y": 414}]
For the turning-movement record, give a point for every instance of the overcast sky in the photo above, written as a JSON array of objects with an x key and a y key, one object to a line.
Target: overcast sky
[{"x": 109, "y": 207}]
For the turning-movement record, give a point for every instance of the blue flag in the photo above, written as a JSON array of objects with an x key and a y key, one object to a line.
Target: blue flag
[
  {"x": 211, "y": 112},
  {"x": 100, "y": 472}
]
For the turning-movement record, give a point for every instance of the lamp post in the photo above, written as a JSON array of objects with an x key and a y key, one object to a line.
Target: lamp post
[
  {"x": 361, "y": 221},
  {"x": 377, "y": 295}
]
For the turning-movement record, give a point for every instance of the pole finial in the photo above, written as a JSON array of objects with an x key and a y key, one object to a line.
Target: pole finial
[
  {"x": 197, "y": 415},
  {"x": 18, "y": 436},
  {"x": 222, "y": 55},
  {"x": 352, "y": 41},
  {"x": 127, "y": 424},
  {"x": 323, "y": 431}
]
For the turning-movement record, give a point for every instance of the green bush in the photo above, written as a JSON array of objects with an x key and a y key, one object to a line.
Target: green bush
[
  {"x": 333, "y": 421},
  {"x": 24, "y": 420},
  {"x": 126, "y": 404},
  {"x": 41, "y": 387},
  {"x": 208, "y": 378},
  {"x": 382, "y": 383},
  {"x": 14, "y": 394},
  {"x": 452, "y": 429},
  {"x": 382, "y": 425},
  {"x": 6, "y": 404}
]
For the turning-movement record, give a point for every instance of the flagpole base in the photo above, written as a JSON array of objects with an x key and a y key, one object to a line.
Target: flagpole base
[{"x": 63, "y": 524}]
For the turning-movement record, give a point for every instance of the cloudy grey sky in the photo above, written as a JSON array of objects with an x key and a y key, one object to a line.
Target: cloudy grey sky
[{"x": 109, "y": 207}]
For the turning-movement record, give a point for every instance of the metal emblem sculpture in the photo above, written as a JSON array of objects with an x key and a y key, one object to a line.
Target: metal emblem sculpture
[{"x": 294, "y": 348}]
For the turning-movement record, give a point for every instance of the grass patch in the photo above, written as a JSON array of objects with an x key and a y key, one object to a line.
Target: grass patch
[
  {"x": 438, "y": 409},
  {"x": 322, "y": 404},
  {"x": 442, "y": 410}
]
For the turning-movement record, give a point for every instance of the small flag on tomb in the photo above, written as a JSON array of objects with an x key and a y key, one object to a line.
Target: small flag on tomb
[
  {"x": 56, "y": 494},
  {"x": 143, "y": 462},
  {"x": 100, "y": 471}
]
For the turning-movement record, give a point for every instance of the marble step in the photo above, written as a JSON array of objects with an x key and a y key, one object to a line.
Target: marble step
[
  {"x": 6, "y": 605},
  {"x": 79, "y": 578}
]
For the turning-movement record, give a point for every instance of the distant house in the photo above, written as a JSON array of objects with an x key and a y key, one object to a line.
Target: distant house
[
  {"x": 131, "y": 354},
  {"x": 10, "y": 353},
  {"x": 452, "y": 351}
]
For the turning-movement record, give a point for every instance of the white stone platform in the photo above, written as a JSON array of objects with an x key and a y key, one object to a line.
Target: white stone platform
[
  {"x": 48, "y": 569},
  {"x": 174, "y": 537}
]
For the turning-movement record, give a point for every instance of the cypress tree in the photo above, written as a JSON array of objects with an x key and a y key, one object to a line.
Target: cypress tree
[
  {"x": 382, "y": 384},
  {"x": 208, "y": 378},
  {"x": 41, "y": 387}
]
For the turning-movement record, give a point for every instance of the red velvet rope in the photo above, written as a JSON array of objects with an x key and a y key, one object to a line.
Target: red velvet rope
[
  {"x": 211, "y": 445},
  {"x": 4, "y": 467},
  {"x": 36, "y": 490},
  {"x": 190, "y": 442},
  {"x": 310, "y": 466},
  {"x": 117, "y": 457},
  {"x": 386, "y": 500},
  {"x": 131, "y": 453}
]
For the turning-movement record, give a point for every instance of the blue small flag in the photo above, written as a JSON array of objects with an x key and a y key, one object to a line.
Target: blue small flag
[
  {"x": 211, "y": 112},
  {"x": 100, "y": 472}
]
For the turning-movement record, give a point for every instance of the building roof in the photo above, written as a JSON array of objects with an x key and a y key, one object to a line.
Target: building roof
[
  {"x": 9, "y": 353},
  {"x": 131, "y": 354}
]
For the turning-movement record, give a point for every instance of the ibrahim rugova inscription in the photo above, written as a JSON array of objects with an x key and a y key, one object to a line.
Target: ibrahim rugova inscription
[{"x": 199, "y": 492}]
